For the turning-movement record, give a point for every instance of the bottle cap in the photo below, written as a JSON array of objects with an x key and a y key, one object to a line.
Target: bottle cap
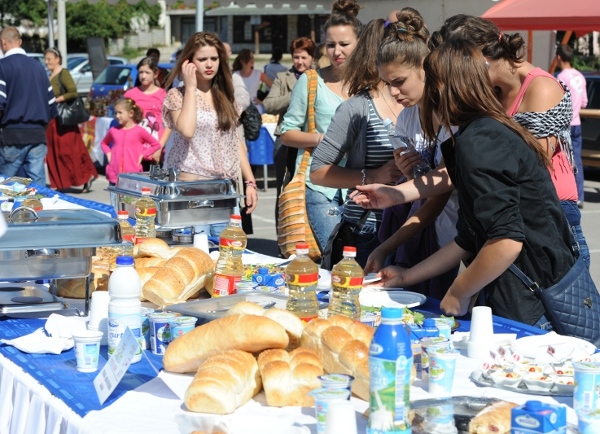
[
  {"x": 302, "y": 249},
  {"x": 124, "y": 260},
  {"x": 533, "y": 405},
  {"x": 391, "y": 312},
  {"x": 236, "y": 217},
  {"x": 429, "y": 322},
  {"x": 146, "y": 190},
  {"x": 349, "y": 251},
  {"x": 263, "y": 270},
  {"x": 123, "y": 214}
]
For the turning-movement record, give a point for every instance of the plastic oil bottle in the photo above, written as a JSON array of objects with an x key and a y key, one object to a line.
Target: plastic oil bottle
[
  {"x": 124, "y": 307},
  {"x": 145, "y": 214},
  {"x": 390, "y": 365},
  {"x": 346, "y": 281},
  {"x": 127, "y": 234},
  {"x": 302, "y": 277},
  {"x": 229, "y": 268}
]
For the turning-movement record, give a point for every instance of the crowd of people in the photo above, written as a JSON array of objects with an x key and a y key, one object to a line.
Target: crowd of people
[{"x": 433, "y": 149}]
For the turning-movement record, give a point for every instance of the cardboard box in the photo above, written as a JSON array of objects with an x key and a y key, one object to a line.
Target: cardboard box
[{"x": 537, "y": 417}]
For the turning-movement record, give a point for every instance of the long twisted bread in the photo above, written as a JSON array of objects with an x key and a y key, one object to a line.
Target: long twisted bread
[
  {"x": 184, "y": 274},
  {"x": 249, "y": 333},
  {"x": 343, "y": 346},
  {"x": 289, "y": 377},
  {"x": 223, "y": 383}
]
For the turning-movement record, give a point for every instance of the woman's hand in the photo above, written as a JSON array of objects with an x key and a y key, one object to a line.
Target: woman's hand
[
  {"x": 405, "y": 160},
  {"x": 394, "y": 277},
  {"x": 376, "y": 196},
  {"x": 386, "y": 174},
  {"x": 251, "y": 198},
  {"x": 375, "y": 261},
  {"x": 188, "y": 71},
  {"x": 156, "y": 156},
  {"x": 452, "y": 305}
]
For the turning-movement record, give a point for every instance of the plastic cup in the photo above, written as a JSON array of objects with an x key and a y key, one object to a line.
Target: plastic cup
[
  {"x": 182, "y": 325},
  {"x": 482, "y": 328},
  {"x": 337, "y": 381},
  {"x": 587, "y": 386},
  {"x": 98, "y": 316},
  {"x": 444, "y": 325},
  {"x": 161, "y": 324},
  {"x": 427, "y": 344},
  {"x": 201, "y": 241},
  {"x": 341, "y": 418},
  {"x": 478, "y": 350},
  {"x": 146, "y": 327},
  {"x": 442, "y": 365},
  {"x": 588, "y": 421},
  {"x": 440, "y": 419},
  {"x": 323, "y": 398},
  {"x": 87, "y": 349}
]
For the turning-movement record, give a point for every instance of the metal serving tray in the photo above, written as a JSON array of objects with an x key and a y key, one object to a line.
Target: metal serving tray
[
  {"x": 22, "y": 298},
  {"x": 178, "y": 203}
]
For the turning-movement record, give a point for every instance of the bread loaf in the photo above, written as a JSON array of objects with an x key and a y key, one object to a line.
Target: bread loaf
[
  {"x": 152, "y": 248},
  {"x": 343, "y": 346},
  {"x": 149, "y": 262},
  {"x": 75, "y": 288},
  {"x": 223, "y": 383},
  {"x": 494, "y": 418},
  {"x": 290, "y": 322},
  {"x": 183, "y": 275},
  {"x": 249, "y": 333},
  {"x": 289, "y": 377}
]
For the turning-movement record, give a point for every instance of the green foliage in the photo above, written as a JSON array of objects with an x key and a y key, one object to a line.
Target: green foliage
[{"x": 12, "y": 12}]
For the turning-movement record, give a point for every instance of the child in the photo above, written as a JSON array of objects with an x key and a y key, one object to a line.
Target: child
[{"x": 131, "y": 142}]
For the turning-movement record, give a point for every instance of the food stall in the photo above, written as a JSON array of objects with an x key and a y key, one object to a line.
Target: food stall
[{"x": 45, "y": 393}]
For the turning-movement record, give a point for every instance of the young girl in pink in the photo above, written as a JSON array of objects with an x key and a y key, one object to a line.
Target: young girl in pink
[{"x": 130, "y": 142}]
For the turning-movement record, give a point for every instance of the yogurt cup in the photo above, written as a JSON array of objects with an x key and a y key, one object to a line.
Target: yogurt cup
[
  {"x": 442, "y": 365},
  {"x": 587, "y": 386},
  {"x": 444, "y": 325},
  {"x": 87, "y": 349},
  {"x": 160, "y": 331},
  {"x": 427, "y": 344},
  {"x": 183, "y": 325},
  {"x": 589, "y": 421},
  {"x": 323, "y": 397},
  {"x": 146, "y": 327},
  {"x": 337, "y": 381}
]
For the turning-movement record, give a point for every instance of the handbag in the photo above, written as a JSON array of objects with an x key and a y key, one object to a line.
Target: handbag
[
  {"x": 251, "y": 120},
  {"x": 344, "y": 234},
  {"x": 292, "y": 222},
  {"x": 572, "y": 305},
  {"x": 70, "y": 113}
]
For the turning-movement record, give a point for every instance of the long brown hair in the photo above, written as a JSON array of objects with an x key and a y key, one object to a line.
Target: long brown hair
[
  {"x": 458, "y": 90},
  {"x": 221, "y": 86}
]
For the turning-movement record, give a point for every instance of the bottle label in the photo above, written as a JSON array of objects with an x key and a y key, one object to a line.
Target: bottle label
[
  {"x": 140, "y": 240},
  {"x": 347, "y": 282},
  {"x": 148, "y": 212},
  {"x": 302, "y": 279},
  {"x": 231, "y": 244},
  {"x": 225, "y": 285},
  {"x": 129, "y": 238},
  {"x": 116, "y": 329},
  {"x": 389, "y": 395},
  {"x": 307, "y": 319}
]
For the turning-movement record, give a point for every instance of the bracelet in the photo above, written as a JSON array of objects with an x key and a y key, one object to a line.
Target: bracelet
[
  {"x": 363, "y": 172},
  {"x": 251, "y": 184}
]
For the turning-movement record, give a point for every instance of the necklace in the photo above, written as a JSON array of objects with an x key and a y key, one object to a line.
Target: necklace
[{"x": 388, "y": 104}]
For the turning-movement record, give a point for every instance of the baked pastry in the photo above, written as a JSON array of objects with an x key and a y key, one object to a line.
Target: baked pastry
[
  {"x": 75, "y": 288},
  {"x": 249, "y": 333},
  {"x": 223, "y": 383},
  {"x": 493, "y": 419},
  {"x": 289, "y": 377}
]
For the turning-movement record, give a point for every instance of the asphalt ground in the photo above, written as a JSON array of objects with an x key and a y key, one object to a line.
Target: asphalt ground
[{"x": 264, "y": 239}]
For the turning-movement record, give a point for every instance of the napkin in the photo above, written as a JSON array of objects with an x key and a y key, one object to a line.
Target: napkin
[{"x": 55, "y": 337}]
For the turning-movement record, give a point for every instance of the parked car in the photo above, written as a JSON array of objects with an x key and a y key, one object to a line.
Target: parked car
[
  {"x": 79, "y": 66},
  {"x": 40, "y": 58},
  {"x": 590, "y": 122}
]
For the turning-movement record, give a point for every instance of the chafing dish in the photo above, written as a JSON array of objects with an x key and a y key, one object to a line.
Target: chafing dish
[{"x": 178, "y": 203}]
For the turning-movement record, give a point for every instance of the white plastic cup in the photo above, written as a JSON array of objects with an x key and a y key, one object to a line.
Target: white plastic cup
[
  {"x": 587, "y": 386},
  {"x": 482, "y": 327},
  {"x": 98, "y": 316},
  {"x": 442, "y": 365},
  {"x": 323, "y": 399},
  {"x": 341, "y": 418},
  {"x": 201, "y": 241},
  {"x": 478, "y": 350},
  {"x": 87, "y": 349}
]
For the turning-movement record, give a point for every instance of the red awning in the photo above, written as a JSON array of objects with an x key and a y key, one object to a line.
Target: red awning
[{"x": 581, "y": 16}]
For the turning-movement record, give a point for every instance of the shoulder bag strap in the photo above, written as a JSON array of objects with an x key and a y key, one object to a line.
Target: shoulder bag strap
[
  {"x": 311, "y": 74},
  {"x": 530, "y": 284}
]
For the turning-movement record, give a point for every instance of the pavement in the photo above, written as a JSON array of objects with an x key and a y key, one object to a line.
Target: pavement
[{"x": 264, "y": 238}]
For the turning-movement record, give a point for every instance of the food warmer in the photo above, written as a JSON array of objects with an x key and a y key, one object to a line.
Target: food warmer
[
  {"x": 179, "y": 204},
  {"x": 49, "y": 245}
]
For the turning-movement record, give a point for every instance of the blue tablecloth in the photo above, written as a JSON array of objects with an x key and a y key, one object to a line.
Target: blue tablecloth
[
  {"x": 58, "y": 373},
  {"x": 48, "y": 192},
  {"x": 260, "y": 151}
]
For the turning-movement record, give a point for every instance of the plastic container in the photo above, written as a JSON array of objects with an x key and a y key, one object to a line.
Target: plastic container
[
  {"x": 145, "y": 215},
  {"x": 430, "y": 329},
  {"x": 229, "y": 268},
  {"x": 538, "y": 417},
  {"x": 390, "y": 365},
  {"x": 346, "y": 282},
  {"x": 396, "y": 142},
  {"x": 127, "y": 234},
  {"x": 302, "y": 277},
  {"x": 124, "y": 307}
]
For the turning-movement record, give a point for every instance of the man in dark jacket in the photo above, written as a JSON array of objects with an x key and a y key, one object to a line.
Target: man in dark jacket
[{"x": 27, "y": 104}]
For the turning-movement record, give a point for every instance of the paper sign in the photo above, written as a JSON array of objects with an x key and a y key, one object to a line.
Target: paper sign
[{"x": 112, "y": 372}]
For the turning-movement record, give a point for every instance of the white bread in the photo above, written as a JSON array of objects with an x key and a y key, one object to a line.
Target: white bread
[
  {"x": 494, "y": 418},
  {"x": 223, "y": 383},
  {"x": 289, "y": 377},
  {"x": 149, "y": 262},
  {"x": 152, "y": 248},
  {"x": 290, "y": 322},
  {"x": 183, "y": 275},
  {"x": 249, "y": 333},
  {"x": 343, "y": 346},
  {"x": 75, "y": 288}
]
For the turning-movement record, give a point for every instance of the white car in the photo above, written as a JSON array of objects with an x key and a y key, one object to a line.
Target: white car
[{"x": 79, "y": 66}]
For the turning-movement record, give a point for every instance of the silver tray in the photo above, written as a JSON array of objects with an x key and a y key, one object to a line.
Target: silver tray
[
  {"x": 21, "y": 298},
  {"x": 478, "y": 378}
]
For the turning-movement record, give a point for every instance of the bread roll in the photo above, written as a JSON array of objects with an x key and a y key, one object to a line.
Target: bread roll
[
  {"x": 289, "y": 377},
  {"x": 152, "y": 248},
  {"x": 223, "y": 383},
  {"x": 149, "y": 262},
  {"x": 182, "y": 276},
  {"x": 75, "y": 288},
  {"x": 237, "y": 332},
  {"x": 494, "y": 418},
  {"x": 343, "y": 347}
]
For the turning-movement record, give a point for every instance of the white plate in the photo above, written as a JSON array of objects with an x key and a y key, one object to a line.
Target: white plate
[
  {"x": 324, "y": 280},
  {"x": 371, "y": 278},
  {"x": 565, "y": 347},
  {"x": 397, "y": 299}
]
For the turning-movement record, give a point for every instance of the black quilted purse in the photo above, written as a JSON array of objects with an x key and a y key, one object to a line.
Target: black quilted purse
[
  {"x": 572, "y": 305},
  {"x": 251, "y": 119}
]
